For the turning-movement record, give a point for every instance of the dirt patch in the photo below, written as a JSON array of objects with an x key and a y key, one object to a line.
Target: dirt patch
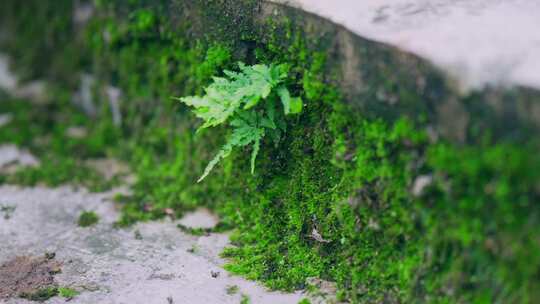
[{"x": 26, "y": 275}]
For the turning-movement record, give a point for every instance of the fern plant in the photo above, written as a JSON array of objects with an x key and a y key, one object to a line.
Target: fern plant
[{"x": 253, "y": 102}]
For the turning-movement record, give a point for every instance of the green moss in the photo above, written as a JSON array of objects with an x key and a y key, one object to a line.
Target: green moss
[
  {"x": 87, "y": 219},
  {"x": 44, "y": 130},
  {"x": 66, "y": 292},
  {"x": 232, "y": 290},
  {"x": 334, "y": 200},
  {"x": 245, "y": 299},
  {"x": 40, "y": 295},
  {"x": 481, "y": 201},
  {"x": 55, "y": 171},
  {"x": 7, "y": 211},
  {"x": 204, "y": 231}
]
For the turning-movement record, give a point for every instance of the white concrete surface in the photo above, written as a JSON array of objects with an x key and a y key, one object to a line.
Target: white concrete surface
[
  {"x": 200, "y": 218},
  {"x": 117, "y": 266},
  {"x": 478, "y": 42}
]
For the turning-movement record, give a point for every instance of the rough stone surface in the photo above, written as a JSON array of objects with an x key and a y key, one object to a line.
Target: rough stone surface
[
  {"x": 5, "y": 119},
  {"x": 478, "y": 42},
  {"x": 12, "y": 157},
  {"x": 200, "y": 218},
  {"x": 110, "y": 265}
]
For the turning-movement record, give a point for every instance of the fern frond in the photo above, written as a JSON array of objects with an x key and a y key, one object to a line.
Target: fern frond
[
  {"x": 256, "y": 147},
  {"x": 221, "y": 154},
  {"x": 235, "y": 100}
]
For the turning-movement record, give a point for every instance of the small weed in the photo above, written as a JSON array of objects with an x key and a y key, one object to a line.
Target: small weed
[
  {"x": 232, "y": 289},
  {"x": 193, "y": 249},
  {"x": 245, "y": 299},
  {"x": 40, "y": 295},
  {"x": 220, "y": 227},
  {"x": 7, "y": 210},
  {"x": 66, "y": 292},
  {"x": 137, "y": 234},
  {"x": 87, "y": 219},
  {"x": 194, "y": 231},
  {"x": 50, "y": 255}
]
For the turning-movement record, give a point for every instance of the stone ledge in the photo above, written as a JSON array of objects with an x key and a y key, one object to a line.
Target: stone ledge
[{"x": 479, "y": 43}]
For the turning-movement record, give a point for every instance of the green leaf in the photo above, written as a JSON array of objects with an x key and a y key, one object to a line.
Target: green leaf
[
  {"x": 221, "y": 154},
  {"x": 285, "y": 97},
  {"x": 253, "y": 101},
  {"x": 296, "y": 105},
  {"x": 256, "y": 147},
  {"x": 242, "y": 135}
]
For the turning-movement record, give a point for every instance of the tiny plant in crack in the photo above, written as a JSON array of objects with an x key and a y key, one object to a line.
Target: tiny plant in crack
[{"x": 253, "y": 102}]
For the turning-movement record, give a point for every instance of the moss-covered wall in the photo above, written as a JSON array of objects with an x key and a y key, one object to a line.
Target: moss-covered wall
[{"x": 335, "y": 199}]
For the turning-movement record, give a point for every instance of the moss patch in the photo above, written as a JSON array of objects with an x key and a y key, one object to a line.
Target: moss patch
[
  {"x": 232, "y": 290},
  {"x": 87, "y": 219},
  {"x": 44, "y": 130},
  {"x": 40, "y": 295},
  {"x": 66, "y": 292}
]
